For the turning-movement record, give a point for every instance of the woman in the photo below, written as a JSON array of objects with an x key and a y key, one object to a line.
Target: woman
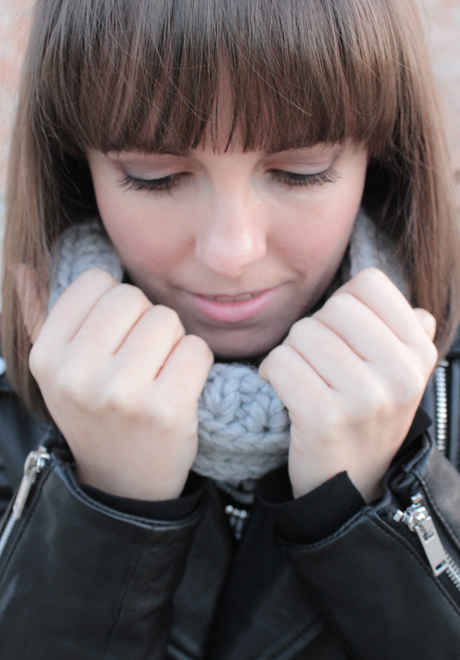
[{"x": 245, "y": 162}]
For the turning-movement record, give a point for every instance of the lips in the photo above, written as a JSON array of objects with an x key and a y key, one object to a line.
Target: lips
[
  {"x": 233, "y": 309},
  {"x": 240, "y": 297}
]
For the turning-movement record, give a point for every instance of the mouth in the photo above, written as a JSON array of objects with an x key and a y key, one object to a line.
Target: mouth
[
  {"x": 233, "y": 309},
  {"x": 239, "y": 298}
]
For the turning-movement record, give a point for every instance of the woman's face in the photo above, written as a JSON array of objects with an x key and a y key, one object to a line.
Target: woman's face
[{"x": 241, "y": 245}]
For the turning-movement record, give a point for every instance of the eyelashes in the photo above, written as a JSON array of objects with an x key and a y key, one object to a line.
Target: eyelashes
[
  {"x": 292, "y": 179},
  {"x": 165, "y": 183},
  {"x": 289, "y": 179}
]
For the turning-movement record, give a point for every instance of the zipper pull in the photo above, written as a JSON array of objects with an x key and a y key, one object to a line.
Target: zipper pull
[
  {"x": 35, "y": 462},
  {"x": 237, "y": 519},
  {"x": 418, "y": 519}
]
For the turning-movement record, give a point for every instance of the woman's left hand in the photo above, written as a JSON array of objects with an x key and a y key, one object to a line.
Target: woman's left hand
[{"x": 352, "y": 376}]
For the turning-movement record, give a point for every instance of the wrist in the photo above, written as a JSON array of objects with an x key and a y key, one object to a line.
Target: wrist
[
  {"x": 152, "y": 487},
  {"x": 366, "y": 479}
]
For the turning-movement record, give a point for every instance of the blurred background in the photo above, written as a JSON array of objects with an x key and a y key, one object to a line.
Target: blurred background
[{"x": 442, "y": 24}]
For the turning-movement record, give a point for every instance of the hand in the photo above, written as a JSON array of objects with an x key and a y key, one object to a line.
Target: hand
[
  {"x": 121, "y": 380},
  {"x": 352, "y": 376}
]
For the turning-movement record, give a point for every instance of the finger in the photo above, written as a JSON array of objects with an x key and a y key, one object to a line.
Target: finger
[
  {"x": 33, "y": 305},
  {"x": 360, "y": 328},
  {"x": 110, "y": 321},
  {"x": 294, "y": 380},
  {"x": 427, "y": 321},
  {"x": 375, "y": 343},
  {"x": 186, "y": 370},
  {"x": 149, "y": 344},
  {"x": 76, "y": 303},
  {"x": 331, "y": 357},
  {"x": 375, "y": 290}
]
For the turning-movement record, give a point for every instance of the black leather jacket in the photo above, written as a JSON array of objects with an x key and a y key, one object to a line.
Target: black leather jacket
[{"x": 80, "y": 580}]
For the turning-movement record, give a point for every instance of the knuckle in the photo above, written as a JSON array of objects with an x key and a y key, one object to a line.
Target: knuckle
[
  {"x": 71, "y": 383},
  {"x": 431, "y": 356},
  {"x": 37, "y": 361},
  {"x": 120, "y": 398},
  {"x": 336, "y": 421},
  {"x": 164, "y": 411},
  {"x": 168, "y": 419},
  {"x": 302, "y": 329},
  {"x": 97, "y": 276},
  {"x": 278, "y": 356},
  {"x": 199, "y": 346},
  {"x": 132, "y": 292},
  {"x": 340, "y": 302},
  {"x": 373, "y": 400},
  {"x": 132, "y": 296},
  {"x": 408, "y": 377},
  {"x": 167, "y": 316},
  {"x": 410, "y": 385},
  {"x": 370, "y": 275}
]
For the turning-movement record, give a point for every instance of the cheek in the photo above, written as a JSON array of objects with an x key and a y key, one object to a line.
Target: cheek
[
  {"x": 333, "y": 216},
  {"x": 336, "y": 224},
  {"x": 320, "y": 231},
  {"x": 142, "y": 231}
]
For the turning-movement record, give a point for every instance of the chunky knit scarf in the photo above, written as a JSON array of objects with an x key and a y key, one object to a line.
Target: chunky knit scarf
[{"x": 243, "y": 426}]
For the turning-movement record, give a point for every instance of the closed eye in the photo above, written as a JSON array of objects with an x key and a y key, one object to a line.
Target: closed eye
[
  {"x": 293, "y": 179},
  {"x": 290, "y": 179},
  {"x": 164, "y": 183}
]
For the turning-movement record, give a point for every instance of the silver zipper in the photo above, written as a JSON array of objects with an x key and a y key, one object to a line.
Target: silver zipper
[
  {"x": 440, "y": 381},
  {"x": 453, "y": 571},
  {"x": 418, "y": 520},
  {"x": 35, "y": 462},
  {"x": 417, "y": 517}
]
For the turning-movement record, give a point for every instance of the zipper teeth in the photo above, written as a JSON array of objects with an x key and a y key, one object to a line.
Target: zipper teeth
[
  {"x": 450, "y": 568},
  {"x": 441, "y": 405},
  {"x": 418, "y": 519},
  {"x": 7, "y": 533},
  {"x": 35, "y": 462},
  {"x": 453, "y": 571}
]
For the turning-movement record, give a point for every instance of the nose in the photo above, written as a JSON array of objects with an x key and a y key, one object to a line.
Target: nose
[{"x": 233, "y": 237}]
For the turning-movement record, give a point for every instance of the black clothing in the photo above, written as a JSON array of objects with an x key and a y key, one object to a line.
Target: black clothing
[{"x": 85, "y": 575}]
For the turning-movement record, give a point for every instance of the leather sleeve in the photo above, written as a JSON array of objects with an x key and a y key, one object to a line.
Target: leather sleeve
[
  {"x": 81, "y": 580},
  {"x": 373, "y": 578}
]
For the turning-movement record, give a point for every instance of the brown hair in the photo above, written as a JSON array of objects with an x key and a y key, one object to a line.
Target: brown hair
[{"x": 300, "y": 72}]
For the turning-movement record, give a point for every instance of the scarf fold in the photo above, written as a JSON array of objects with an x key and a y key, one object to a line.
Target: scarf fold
[{"x": 243, "y": 427}]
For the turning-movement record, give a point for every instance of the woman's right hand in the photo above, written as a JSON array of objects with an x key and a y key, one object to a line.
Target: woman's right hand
[{"x": 121, "y": 379}]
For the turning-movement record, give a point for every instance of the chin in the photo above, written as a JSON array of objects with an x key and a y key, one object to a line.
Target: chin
[{"x": 243, "y": 347}]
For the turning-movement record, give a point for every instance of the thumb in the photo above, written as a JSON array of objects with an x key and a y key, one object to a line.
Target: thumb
[
  {"x": 33, "y": 305},
  {"x": 427, "y": 321}
]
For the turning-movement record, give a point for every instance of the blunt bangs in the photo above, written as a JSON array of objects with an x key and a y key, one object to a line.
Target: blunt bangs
[{"x": 145, "y": 75}]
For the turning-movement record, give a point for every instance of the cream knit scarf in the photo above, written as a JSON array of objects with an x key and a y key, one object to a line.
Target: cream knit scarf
[{"x": 243, "y": 426}]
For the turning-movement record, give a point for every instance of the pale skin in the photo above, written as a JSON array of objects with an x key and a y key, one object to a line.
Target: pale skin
[{"x": 121, "y": 366}]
